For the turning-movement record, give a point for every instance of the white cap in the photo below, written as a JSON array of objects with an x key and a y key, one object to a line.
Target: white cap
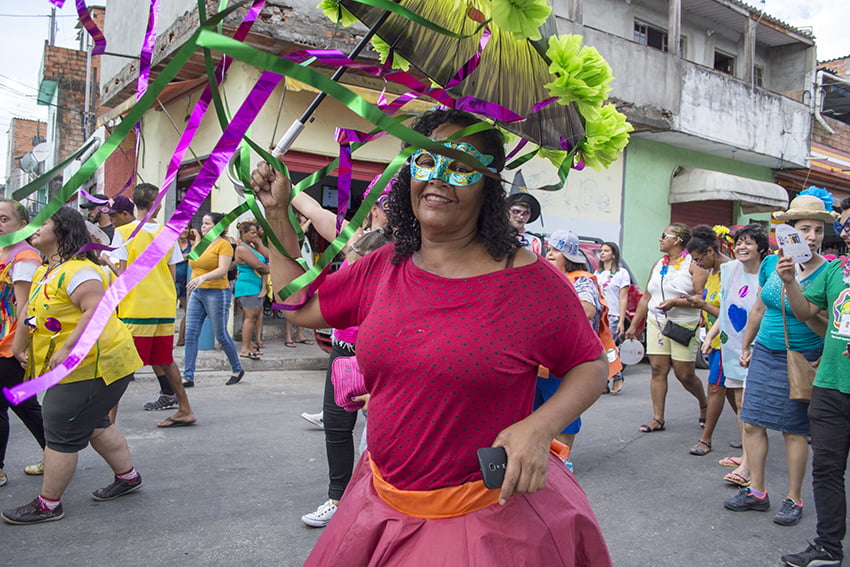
[{"x": 566, "y": 242}]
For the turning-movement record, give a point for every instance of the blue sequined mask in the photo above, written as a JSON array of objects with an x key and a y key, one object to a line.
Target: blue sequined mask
[{"x": 425, "y": 166}]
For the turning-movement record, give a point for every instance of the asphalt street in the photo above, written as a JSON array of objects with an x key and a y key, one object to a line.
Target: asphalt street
[{"x": 231, "y": 489}]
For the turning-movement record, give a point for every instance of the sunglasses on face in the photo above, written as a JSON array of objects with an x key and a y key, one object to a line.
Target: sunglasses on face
[
  {"x": 842, "y": 226},
  {"x": 425, "y": 166},
  {"x": 665, "y": 235},
  {"x": 520, "y": 212}
]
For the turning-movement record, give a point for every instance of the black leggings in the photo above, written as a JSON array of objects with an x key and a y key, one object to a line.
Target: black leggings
[
  {"x": 339, "y": 433},
  {"x": 29, "y": 411}
]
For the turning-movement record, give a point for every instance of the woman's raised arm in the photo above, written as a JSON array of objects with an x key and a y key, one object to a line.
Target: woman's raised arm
[{"x": 273, "y": 189}]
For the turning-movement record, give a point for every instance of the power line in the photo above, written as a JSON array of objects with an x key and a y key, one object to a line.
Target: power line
[{"x": 37, "y": 16}]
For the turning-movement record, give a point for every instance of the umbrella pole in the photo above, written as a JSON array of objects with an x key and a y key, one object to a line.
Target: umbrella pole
[{"x": 298, "y": 125}]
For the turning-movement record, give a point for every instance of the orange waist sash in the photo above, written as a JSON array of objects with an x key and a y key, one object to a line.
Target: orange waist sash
[{"x": 447, "y": 502}]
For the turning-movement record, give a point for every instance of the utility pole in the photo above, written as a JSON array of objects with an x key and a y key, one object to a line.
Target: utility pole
[{"x": 51, "y": 34}]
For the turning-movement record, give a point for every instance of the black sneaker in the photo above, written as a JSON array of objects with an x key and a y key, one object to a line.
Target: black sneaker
[
  {"x": 813, "y": 556},
  {"x": 746, "y": 500},
  {"x": 117, "y": 488},
  {"x": 789, "y": 514},
  {"x": 164, "y": 401},
  {"x": 32, "y": 514}
]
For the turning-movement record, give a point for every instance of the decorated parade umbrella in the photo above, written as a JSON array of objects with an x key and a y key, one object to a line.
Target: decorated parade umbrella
[
  {"x": 512, "y": 71},
  {"x": 456, "y": 38}
]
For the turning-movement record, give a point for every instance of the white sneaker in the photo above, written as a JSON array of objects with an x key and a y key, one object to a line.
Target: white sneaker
[
  {"x": 322, "y": 515},
  {"x": 316, "y": 419}
]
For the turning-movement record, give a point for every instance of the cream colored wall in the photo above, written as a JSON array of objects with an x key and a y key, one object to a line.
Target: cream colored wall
[
  {"x": 589, "y": 204},
  {"x": 160, "y": 137}
]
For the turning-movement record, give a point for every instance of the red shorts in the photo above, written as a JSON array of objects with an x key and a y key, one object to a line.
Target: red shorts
[{"x": 155, "y": 351}]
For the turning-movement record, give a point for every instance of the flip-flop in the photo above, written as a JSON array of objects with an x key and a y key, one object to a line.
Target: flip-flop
[
  {"x": 305, "y": 342},
  {"x": 171, "y": 422},
  {"x": 251, "y": 355},
  {"x": 730, "y": 462},
  {"x": 737, "y": 479},
  {"x": 613, "y": 385},
  {"x": 289, "y": 344}
]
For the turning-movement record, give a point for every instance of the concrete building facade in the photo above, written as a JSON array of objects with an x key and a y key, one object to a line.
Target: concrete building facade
[{"x": 729, "y": 97}]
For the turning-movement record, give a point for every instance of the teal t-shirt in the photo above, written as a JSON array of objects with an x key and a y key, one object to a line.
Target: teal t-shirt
[
  {"x": 829, "y": 292},
  {"x": 770, "y": 334}
]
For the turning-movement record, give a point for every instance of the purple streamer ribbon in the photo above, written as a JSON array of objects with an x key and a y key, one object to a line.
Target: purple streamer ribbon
[
  {"x": 472, "y": 64},
  {"x": 198, "y": 114},
  {"x": 92, "y": 198},
  {"x": 161, "y": 244},
  {"x": 147, "y": 51},
  {"x": 336, "y": 58},
  {"x": 90, "y": 27}
]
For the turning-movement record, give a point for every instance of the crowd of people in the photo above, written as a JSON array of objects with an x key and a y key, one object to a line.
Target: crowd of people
[{"x": 445, "y": 272}]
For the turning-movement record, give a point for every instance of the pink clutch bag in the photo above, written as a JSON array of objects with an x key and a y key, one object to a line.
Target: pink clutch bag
[{"x": 348, "y": 382}]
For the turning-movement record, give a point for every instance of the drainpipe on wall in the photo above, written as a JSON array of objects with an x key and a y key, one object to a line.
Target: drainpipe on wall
[
  {"x": 817, "y": 100},
  {"x": 87, "y": 131}
]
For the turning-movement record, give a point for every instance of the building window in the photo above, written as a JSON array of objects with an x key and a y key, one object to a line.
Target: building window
[
  {"x": 724, "y": 62},
  {"x": 646, "y": 34},
  {"x": 758, "y": 75}
]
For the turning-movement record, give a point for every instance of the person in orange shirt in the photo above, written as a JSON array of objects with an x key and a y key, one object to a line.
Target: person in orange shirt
[
  {"x": 18, "y": 263},
  {"x": 210, "y": 297}
]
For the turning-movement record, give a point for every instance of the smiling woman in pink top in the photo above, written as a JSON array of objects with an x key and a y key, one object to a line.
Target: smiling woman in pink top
[{"x": 454, "y": 321}]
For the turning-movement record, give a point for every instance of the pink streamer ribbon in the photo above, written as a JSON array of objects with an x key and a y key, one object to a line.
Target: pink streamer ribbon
[{"x": 161, "y": 244}]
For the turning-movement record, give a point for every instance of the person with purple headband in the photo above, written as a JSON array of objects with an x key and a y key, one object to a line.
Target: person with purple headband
[{"x": 455, "y": 319}]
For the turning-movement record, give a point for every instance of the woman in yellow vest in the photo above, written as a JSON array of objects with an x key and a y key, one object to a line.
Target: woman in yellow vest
[{"x": 64, "y": 295}]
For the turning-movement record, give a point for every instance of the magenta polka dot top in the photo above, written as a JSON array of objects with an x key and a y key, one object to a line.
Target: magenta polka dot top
[{"x": 452, "y": 362}]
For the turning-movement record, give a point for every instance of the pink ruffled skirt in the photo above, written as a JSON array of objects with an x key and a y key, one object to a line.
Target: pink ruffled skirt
[{"x": 552, "y": 527}]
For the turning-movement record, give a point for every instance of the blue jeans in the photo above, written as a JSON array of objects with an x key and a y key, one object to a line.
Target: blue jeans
[{"x": 212, "y": 303}]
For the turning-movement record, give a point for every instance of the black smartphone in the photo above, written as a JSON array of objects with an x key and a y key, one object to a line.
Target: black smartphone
[{"x": 493, "y": 462}]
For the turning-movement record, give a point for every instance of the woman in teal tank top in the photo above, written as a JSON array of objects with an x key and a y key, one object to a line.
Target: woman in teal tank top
[{"x": 252, "y": 269}]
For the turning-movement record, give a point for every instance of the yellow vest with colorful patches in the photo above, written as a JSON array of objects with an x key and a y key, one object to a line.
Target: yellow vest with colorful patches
[{"x": 52, "y": 316}]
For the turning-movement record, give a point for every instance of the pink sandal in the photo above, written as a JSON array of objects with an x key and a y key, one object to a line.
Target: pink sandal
[{"x": 734, "y": 462}]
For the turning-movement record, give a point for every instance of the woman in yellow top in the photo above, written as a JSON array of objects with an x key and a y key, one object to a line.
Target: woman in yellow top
[
  {"x": 210, "y": 296},
  {"x": 704, "y": 248},
  {"x": 64, "y": 294}
]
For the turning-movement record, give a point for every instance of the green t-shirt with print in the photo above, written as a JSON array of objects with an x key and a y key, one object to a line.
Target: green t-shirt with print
[{"x": 830, "y": 292}]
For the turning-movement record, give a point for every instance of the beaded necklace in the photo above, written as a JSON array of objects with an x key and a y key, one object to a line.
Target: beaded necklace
[{"x": 845, "y": 269}]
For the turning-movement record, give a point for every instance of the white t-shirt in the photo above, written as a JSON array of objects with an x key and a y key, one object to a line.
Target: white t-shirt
[
  {"x": 120, "y": 252},
  {"x": 23, "y": 270},
  {"x": 611, "y": 286},
  {"x": 83, "y": 275}
]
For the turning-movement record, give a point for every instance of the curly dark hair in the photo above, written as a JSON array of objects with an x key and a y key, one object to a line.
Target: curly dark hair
[
  {"x": 71, "y": 233},
  {"x": 757, "y": 234},
  {"x": 494, "y": 230},
  {"x": 703, "y": 237}
]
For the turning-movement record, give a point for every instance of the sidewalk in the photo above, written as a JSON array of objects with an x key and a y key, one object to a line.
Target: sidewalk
[{"x": 276, "y": 356}]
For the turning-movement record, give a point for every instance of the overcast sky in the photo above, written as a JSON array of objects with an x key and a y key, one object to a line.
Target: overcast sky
[{"x": 25, "y": 28}]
